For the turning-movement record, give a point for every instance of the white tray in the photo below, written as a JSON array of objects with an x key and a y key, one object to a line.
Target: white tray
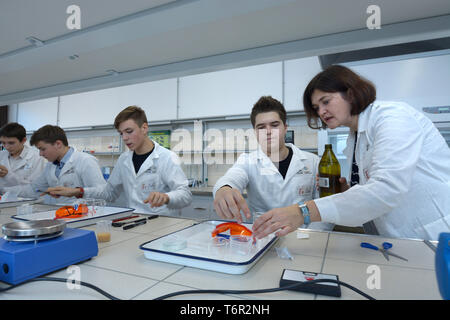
[
  {"x": 16, "y": 203},
  {"x": 105, "y": 213},
  {"x": 201, "y": 253}
]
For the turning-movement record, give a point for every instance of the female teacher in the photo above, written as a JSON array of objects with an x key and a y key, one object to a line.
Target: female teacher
[{"x": 401, "y": 164}]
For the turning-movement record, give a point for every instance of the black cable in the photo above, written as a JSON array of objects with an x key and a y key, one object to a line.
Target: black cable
[
  {"x": 86, "y": 284},
  {"x": 199, "y": 291},
  {"x": 291, "y": 286}
]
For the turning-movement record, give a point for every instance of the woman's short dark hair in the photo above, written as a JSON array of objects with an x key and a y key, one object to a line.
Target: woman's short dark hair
[
  {"x": 268, "y": 104},
  {"x": 49, "y": 134},
  {"x": 13, "y": 130},
  {"x": 358, "y": 91}
]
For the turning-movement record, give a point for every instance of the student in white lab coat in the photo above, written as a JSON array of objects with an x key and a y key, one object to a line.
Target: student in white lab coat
[
  {"x": 401, "y": 169},
  {"x": 275, "y": 175},
  {"x": 19, "y": 163},
  {"x": 66, "y": 166},
  {"x": 150, "y": 175}
]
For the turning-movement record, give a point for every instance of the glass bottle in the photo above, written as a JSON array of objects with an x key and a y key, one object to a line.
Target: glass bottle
[{"x": 329, "y": 173}]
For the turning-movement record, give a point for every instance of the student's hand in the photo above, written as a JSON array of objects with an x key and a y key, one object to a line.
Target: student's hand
[
  {"x": 57, "y": 192},
  {"x": 285, "y": 220},
  {"x": 228, "y": 204},
  {"x": 157, "y": 199},
  {"x": 3, "y": 171}
]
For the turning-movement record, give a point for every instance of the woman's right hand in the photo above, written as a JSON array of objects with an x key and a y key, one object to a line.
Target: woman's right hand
[{"x": 344, "y": 184}]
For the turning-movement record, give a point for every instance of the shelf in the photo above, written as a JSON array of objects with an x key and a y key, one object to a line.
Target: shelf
[{"x": 104, "y": 153}]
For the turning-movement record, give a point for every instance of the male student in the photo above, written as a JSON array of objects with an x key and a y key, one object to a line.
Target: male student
[
  {"x": 66, "y": 166},
  {"x": 276, "y": 175},
  {"x": 149, "y": 175},
  {"x": 19, "y": 163}
]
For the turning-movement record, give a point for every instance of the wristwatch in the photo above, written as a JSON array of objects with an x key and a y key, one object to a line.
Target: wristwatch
[{"x": 305, "y": 212}]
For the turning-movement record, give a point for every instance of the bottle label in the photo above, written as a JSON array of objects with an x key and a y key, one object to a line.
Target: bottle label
[{"x": 324, "y": 182}]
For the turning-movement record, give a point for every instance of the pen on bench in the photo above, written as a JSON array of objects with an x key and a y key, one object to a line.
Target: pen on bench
[
  {"x": 134, "y": 224},
  {"x": 120, "y": 224},
  {"x": 125, "y": 218}
]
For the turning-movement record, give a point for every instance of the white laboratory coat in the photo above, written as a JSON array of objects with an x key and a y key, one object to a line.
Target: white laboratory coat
[
  {"x": 26, "y": 168},
  {"x": 160, "y": 172},
  {"x": 404, "y": 171},
  {"x": 266, "y": 188},
  {"x": 81, "y": 170}
]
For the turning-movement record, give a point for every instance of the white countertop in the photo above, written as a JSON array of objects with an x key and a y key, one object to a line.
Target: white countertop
[{"x": 122, "y": 270}]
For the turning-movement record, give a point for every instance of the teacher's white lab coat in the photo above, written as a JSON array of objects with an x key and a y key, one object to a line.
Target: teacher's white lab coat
[
  {"x": 81, "y": 170},
  {"x": 266, "y": 188},
  {"x": 404, "y": 171},
  {"x": 160, "y": 172},
  {"x": 26, "y": 168}
]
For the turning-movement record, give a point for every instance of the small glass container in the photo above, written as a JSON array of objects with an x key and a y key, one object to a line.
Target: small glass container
[{"x": 103, "y": 230}]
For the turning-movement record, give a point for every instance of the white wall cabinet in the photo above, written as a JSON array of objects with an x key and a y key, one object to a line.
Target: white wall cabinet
[
  {"x": 35, "y": 114},
  {"x": 297, "y": 74},
  {"x": 228, "y": 92},
  {"x": 421, "y": 82},
  {"x": 97, "y": 108}
]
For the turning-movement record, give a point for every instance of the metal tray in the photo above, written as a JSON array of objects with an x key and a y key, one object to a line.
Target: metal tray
[{"x": 106, "y": 213}]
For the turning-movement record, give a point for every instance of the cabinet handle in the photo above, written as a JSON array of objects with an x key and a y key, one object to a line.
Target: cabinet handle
[{"x": 200, "y": 209}]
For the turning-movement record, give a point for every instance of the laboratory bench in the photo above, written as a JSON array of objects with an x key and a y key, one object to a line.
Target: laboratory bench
[{"x": 121, "y": 269}]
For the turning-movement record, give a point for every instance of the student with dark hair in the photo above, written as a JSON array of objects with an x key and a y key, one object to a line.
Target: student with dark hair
[
  {"x": 276, "y": 175},
  {"x": 19, "y": 163},
  {"x": 150, "y": 175},
  {"x": 400, "y": 179},
  {"x": 66, "y": 166}
]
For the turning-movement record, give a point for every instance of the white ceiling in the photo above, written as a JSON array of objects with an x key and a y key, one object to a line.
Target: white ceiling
[{"x": 138, "y": 37}]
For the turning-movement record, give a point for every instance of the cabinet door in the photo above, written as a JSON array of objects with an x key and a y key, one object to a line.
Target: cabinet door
[
  {"x": 35, "y": 114},
  {"x": 297, "y": 74},
  {"x": 421, "y": 82},
  {"x": 100, "y": 107},
  {"x": 199, "y": 209},
  {"x": 228, "y": 92}
]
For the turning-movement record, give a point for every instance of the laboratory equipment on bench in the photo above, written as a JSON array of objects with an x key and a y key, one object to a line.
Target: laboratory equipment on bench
[
  {"x": 33, "y": 248},
  {"x": 194, "y": 246},
  {"x": 76, "y": 218},
  {"x": 384, "y": 250}
]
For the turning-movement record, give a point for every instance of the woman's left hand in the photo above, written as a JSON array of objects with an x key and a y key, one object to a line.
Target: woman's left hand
[{"x": 285, "y": 220}]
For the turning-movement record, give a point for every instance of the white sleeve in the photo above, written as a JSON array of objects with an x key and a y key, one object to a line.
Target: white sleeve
[
  {"x": 236, "y": 177},
  {"x": 37, "y": 165},
  {"x": 315, "y": 171},
  {"x": 180, "y": 196},
  {"x": 34, "y": 189},
  {"x": 109, "y": 190},
  {"x": 91, "y": 175},
  {"x": 395, "y": 151}
]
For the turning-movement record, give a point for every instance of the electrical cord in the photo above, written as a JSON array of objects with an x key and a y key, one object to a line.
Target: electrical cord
[
  {"x": 86, "y": 284},
  {"x": 288, "y": 287},
  {"x": 198, "y": 291}
]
